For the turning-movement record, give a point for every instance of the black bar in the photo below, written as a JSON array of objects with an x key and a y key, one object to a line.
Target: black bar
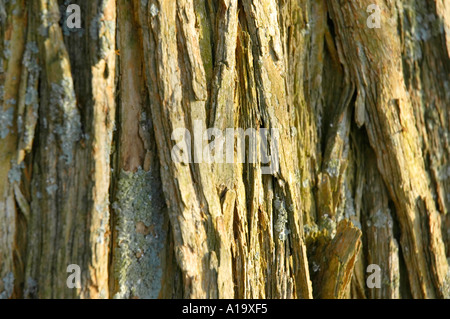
[{"x": 289, "y": 309}]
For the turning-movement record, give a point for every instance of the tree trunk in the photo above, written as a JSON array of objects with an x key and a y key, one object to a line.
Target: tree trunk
[{"x": 103, "y": 155}]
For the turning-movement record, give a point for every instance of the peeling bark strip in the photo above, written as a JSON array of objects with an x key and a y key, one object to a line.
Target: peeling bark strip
[
  {"x": 392, "y": 131},
  {"x": 50, "y": 180},
  {"x": 336, "y": 260},
  {"x": 381, "y": 246},
  {"x": 188, "y": 211},
  {"x": 87, "y": 122},
  {"x": 13, "y": 44}
]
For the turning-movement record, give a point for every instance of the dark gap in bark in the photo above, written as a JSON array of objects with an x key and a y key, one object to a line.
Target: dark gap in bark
[
  {"x": 405, "y": 288},
  {"x": 77, "y": 46},
  {"x": 330, "y": 24},
  {"x": 237, "y": 282},
  {"x": 234, "y": 253},
  {"x": 114, "y": 175},
  {"x": 172, "y": 282},
  {"x": 332, "y": 84}
]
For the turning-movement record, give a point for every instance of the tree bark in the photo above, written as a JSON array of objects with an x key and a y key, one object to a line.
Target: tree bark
[{"x": 358, "y": 121}]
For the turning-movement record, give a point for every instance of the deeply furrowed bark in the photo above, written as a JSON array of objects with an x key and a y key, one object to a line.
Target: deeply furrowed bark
[{"x": 88, "y": 147}]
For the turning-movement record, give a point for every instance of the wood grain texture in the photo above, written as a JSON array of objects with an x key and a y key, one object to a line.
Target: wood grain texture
[{"x": 87, "y": 138}]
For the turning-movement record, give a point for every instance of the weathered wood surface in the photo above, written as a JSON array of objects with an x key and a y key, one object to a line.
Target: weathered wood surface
[{"x": 86, "y": 138}]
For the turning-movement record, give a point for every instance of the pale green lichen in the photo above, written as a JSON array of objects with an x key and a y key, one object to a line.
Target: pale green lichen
[
  {"x": 43, "y": 30},
  {"x": 66, "y": 117},
  {"x": 103, "y": 30},
  {"x": 8, "y": 286},
  {"x": 51, "y": 189},
  {"x": 346, "y": 208},
  {"x": 328, "y": 224},
  {"x": 380, "y": 219},
  {"x": 333, "y": 167},
  {"x": 29, "y": 56},
  {"x": 30, "y": 61},
  {"x": 445, "y": 290},
  {"x": 47, "y": 19},
  {"x": 6, "y": 121},
  {"x": 6, "y": 50},
  {"x": 310, "y": 229},
  {"x": 139, "y": 212},
  {"x": 102, "y": 210},
  {"x": 280, "y": 225},
  {"x": 3, "y": 14},
  {"x": 15, "y": 172},
  {"x": 31, "y": 288},
  {"x": 26, "y": 119}
]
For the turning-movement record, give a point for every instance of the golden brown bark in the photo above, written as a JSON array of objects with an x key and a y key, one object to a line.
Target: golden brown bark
[{"x": 87, "y": 169}]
